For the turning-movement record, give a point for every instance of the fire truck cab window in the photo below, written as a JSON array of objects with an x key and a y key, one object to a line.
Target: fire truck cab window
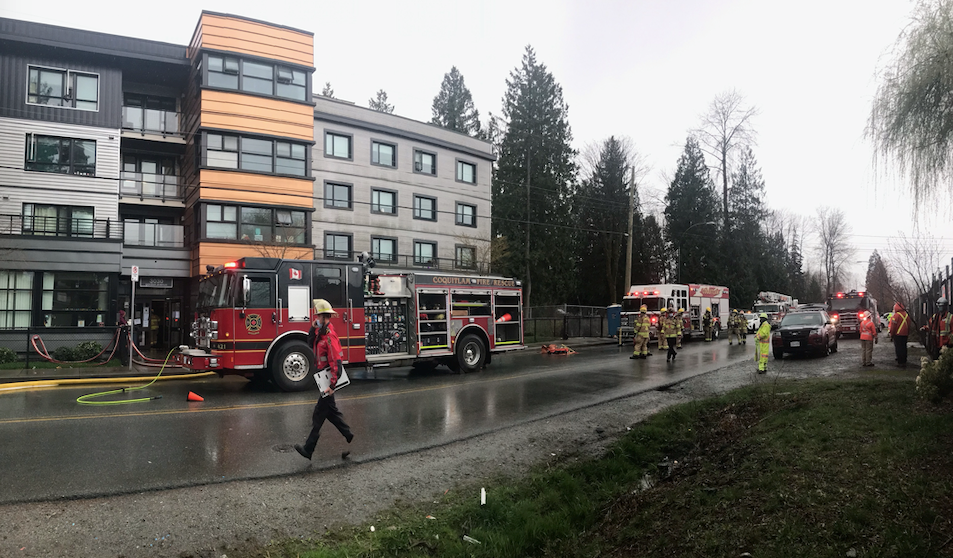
[
  {"x": 260, "y": 294},
  {"x": 329, "y": 285}
]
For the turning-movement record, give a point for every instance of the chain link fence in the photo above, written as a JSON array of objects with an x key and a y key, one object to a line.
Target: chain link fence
[
  {"x": 64, "y": 344},
  {"x": 546, "y": 323}
]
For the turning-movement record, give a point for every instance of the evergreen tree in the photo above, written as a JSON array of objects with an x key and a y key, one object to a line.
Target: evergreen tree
[
  {"x": 650, "y": 263},
  {"x": 327, "y": 91},
  {"x": 533, "y": 182},
  {"x": 453, "y": 106},
  {"x": 795, "y": 266},
  {"x": 743, "y": 251},
  {"x": 379, "y": 103},
  {"x": 690, "y": 212},
  {"x": 602, "y": 206}
]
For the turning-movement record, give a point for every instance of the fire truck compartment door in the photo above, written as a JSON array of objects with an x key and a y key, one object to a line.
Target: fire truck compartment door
[
  {"x": 469, "y": 292},
  {"x": 299, "y": 303}
]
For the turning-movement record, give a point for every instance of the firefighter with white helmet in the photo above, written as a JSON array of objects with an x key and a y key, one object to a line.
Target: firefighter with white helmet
[
  {"x": 763, "y": 345},
  {"x": 640, "y": 337},
  {"x": 662, "y": 324},
  {"x": 939, "y": 328}
]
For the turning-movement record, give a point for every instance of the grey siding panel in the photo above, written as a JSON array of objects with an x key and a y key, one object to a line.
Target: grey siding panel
[
  {"x": 19, "y": 186},
  {"x": 60, "y": 254},
  {"x": 155, "y": 262},
  {"x": 13, "y": 92}
]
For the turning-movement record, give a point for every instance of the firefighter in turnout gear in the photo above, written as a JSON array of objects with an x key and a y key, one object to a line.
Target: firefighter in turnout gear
[
  {"x": 734, "y": 329},
  {"x": 681, "y": 318},
  {"x": 640, "y": 337},
  {"x": 706, "y": 324},
  {"x": 743, "y": 324},
  {"x": 763, "y": 345},
  {"x": 939, "y": 328},
  {"x": 662, "y": 338},
  {"x": 670, "y": 327}
]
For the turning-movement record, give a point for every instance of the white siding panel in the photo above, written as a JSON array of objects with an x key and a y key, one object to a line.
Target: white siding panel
[{"x": 18, "y": 186}]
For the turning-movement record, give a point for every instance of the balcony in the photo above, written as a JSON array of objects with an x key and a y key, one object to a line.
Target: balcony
[
  {"x": 68, "y": 227},
  {"x": 151, "y": 186},
  {"x": 408, "y": 262},
  {"x": 153, "y": 235},
  {"x": 151, "y": 121}
]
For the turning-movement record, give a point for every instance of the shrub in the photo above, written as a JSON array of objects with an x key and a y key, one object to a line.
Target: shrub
[
  {"x": 7, "y": 355},
  {"x": 64, "y": 354},
  {"x": 88, "y": 350},
  {"x": 935, "y": 381}
]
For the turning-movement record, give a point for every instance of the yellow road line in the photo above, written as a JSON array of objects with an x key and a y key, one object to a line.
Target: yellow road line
[{"x": 263, "y": 405}]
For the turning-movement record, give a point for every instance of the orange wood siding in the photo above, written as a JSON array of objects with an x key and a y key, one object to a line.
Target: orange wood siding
[
  {"x": 257, "y": 115},
  {"x": 258, "y": 39},
  {"x": 216, "y": 254},
  {"x": 240, "y": 187}
]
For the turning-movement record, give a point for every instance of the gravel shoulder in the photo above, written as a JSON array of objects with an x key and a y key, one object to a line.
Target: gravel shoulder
[{"x": 229, "y": 518}]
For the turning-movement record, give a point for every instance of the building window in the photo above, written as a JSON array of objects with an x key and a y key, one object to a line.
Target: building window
[
  {"x": 256, "y": 225},
  {"x": 63, "y": 88},
  {"x": 221, "y": 222},
  {"x": 292, "y": 84},
  {"x": 337, "y": 145},
  {"x": 223, "y": 72},
  {"x": 466, "y": 215},
  {"x": 147, "y": 113},
  {"x": 60, "y": 155},
  {"x": 58, "y": 220},
  {"x": 337, "y": 246},
  {"x": 257, "y": 155},
  {"x": 466, "y": 172},
  {"x": 384, "y": 249},
  {"x": 425, "y": 208},
  {"x": 424, "y": 162},
  {"x": 75, "y": 298},
  {"x": 337, "y": 196},
  {"x": 229, "y": 72},
  {"x": 222, "y": 151},
  {"x": 384, "y": 154},
  {"x": 16, "y": 299},
  {"x": 292, "y": 158},
  {"x": 425, "y": 253},
  {"x": 384, "y": 201},
  {"x": 290, "y": 226},
  {"x": 466, "y": 257},
  {"x": 258, "y": 78}
]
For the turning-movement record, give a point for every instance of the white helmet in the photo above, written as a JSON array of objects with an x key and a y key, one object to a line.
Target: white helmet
[{"x": 941, "y": 301}]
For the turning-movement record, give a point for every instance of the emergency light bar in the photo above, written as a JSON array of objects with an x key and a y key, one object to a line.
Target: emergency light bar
[{"x": 231, "y": 264}]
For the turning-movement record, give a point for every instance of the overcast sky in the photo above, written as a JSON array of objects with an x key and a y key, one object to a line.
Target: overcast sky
[{"x": 645, "y": 69}]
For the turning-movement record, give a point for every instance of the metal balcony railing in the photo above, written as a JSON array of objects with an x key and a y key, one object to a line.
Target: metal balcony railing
[
  {"x": 407, "y": 262},
  {"x": 149, "y": 185},
  {"x": 151, "y": 121},
  {"x": 154, "y": 235},
  {"x": 70, "y": 227}
]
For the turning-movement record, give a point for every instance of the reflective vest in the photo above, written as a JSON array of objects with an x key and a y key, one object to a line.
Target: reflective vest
[
  {"x": 940, "y": 325},
  {"x": 867, "y": 330},
  {"x": 642, "y": 323},
  {"x": 764, "y": 333},
  {"x": 899, "y": 324}
]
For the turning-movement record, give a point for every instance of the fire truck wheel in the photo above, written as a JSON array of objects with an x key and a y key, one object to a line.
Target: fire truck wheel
[
  {"x": 291, "y": 367},
  {"x": 471, "y": 354}
]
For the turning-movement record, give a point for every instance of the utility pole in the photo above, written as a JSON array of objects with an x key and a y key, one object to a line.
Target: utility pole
[
  {"x": 528, "y": 281},
  {"x": 628, "y": 251}
]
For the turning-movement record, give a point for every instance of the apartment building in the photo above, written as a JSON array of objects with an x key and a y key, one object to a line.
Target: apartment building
[{"x": 118, "y": 152}]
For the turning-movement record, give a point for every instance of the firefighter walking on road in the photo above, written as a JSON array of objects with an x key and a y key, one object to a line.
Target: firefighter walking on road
[
  {"x": 868, "y": 336},
  {"x": 640, "y": 334},
  {"x": 670, "y": 329},
  {"x": 706, "y": 324},
  {"x": 734, "y": 330},
  {"x": 898, "y": 331},
  {"x": 938, "y": 329},
  {"x": 683, "y": 323},
  {"x": 662, "y": 338},
  {"x": 763, "y": 345}
]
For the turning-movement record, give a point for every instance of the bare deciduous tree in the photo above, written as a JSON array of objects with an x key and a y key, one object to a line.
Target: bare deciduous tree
[
  {"x": 834, "y": 247},
  {"x": 911, "y": 120},
  {"x": 916, "y": 258},
  {"x": 488, "y": 251},
  {"x": 725, "y": 126},
  {"x": 280, "y": 245}
]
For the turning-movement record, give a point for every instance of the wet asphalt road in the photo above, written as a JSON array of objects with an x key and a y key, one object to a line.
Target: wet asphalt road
[{"x": 51, "y": 447}]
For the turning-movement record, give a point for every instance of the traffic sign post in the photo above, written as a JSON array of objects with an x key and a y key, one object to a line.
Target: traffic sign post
[{"x": 132, "y": 310}]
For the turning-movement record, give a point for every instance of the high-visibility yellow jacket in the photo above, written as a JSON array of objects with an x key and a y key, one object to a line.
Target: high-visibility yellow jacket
[{"x": 764, "y": 333}]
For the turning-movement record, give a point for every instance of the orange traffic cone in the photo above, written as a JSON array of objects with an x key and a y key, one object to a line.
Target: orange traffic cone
[{"x": 193, "y": 397}]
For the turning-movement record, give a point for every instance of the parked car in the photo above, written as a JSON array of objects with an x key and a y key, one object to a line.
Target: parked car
[
  {"x": 805, "y": 332},
  {"x": 753, "y": 321}
]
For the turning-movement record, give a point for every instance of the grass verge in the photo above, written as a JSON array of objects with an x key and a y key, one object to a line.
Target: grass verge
[{"x": 819, "y": 468}]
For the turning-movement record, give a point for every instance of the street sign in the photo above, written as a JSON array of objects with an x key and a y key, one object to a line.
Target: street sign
[{"x": 135, "y": 273}]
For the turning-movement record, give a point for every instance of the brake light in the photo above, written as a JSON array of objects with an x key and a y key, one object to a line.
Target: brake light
[
  {"x": 231, "y": 264},
  {"x": 861, "y": 293},
  {"x": 840, "y": 295}
]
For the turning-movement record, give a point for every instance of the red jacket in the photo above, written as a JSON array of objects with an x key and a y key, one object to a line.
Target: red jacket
[
  {"x": 867, "y": 330},
  {"x": 900, "y": 323},
  {"x": 327, "y": 351}
]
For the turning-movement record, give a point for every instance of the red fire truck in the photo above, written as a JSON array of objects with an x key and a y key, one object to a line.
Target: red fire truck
[
  {"x": 844, "y": 309},
  {"x": 253, "y": 317}
]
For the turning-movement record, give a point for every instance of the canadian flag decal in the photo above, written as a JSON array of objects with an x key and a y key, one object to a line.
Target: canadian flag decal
[{"x": 295, "y": 274}]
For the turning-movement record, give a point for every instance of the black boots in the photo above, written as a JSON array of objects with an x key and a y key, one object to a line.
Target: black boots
[{"x": 300, "y": 449}]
